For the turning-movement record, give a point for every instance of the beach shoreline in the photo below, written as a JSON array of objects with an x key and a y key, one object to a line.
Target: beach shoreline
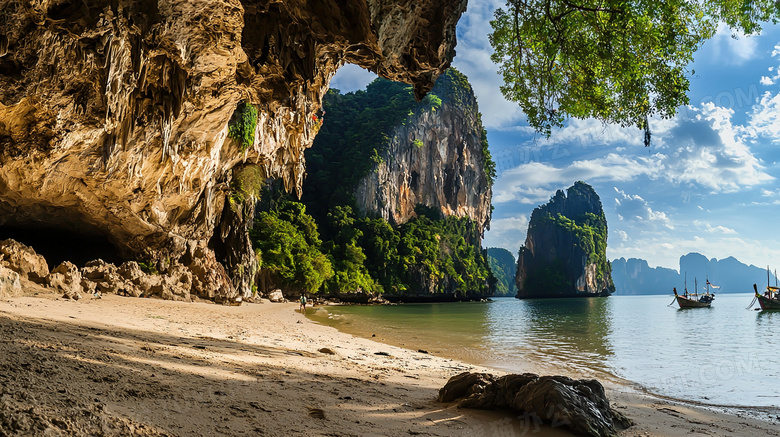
[
  {"x": 129, "y": 366},
  {"x": 610, "y": 380}
]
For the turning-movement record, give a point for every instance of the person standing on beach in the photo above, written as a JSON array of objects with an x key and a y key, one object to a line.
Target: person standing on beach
[{"x": 303, "y": 304}]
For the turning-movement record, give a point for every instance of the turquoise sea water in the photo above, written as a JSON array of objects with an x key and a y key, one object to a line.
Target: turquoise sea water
[{"x": 724, "y": 355}]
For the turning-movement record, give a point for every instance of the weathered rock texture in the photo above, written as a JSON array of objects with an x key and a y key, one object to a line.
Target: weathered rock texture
[
  {"x": 114, "y": 115},
  {"x": 10, "y": 282},
  {"x": 579, "y": 405},
  {"x": 565, "y": 248},
  {"x": 435, "y": 159},
  {"x": 24, "y": 260}
]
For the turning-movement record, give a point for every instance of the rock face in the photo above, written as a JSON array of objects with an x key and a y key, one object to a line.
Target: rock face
[
  {"x": 579, "y": 405},
  {"x": 114, "y": 116},
  {"x": 435, "y": 160},
  {"x": 10, "y": 283},
  {"x": 565, "y": 248},
  {"x": 66, "y": 278},
  {"x": 24, "y": 260}
]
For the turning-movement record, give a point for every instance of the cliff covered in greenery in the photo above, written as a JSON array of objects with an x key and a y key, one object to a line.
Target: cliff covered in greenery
[
  {"x": 565, "y": 249},
  {"x": 398, "y": 194},
  {"x": 503, "y": 265}
]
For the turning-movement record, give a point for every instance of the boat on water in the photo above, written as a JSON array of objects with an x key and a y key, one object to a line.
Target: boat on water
[
  {"x": 695, "y": 300},
  {"x": 770, "y": 300}
]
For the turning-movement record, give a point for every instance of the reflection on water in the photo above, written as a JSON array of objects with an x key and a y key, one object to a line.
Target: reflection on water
[
  {"x": 720, "y": 355},
  {"x": 570, "y": 333},
  {"x": 453, "y": 330}
]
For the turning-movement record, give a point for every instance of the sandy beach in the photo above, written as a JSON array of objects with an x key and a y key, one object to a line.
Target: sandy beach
[{"x": 130, "y": 366}]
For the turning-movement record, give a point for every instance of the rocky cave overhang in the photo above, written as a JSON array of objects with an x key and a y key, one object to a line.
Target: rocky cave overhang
[{"x": 114, "y": 114}]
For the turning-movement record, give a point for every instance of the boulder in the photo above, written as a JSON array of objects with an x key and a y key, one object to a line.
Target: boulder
[
  {"x": 98, "y": 270},
  {"x": 10, "y": 284},
  {"x": 209, "y": 278},
  {"x": 24, "y": 260},
  {"x": 175, "y": 284},
  {"x": 103, "y": 275},
  {"x": 66, "y": 277},
  {"x": 71, "y": 295},
  {"x": 276, "y": 296},
  {"x": 578, "y": 405},
  {"x": 136, "y": 282}
]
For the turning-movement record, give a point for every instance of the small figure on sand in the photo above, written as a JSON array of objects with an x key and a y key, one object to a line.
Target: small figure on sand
[{"x": 303, "y": 304}]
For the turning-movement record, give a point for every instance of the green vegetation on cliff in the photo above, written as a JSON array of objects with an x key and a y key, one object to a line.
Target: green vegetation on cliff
[
  {"x": 569, "y": 238},
  {"x": 369, "y": 255},
  {"x": 243, "y": 124},
  {"x": 288, "y": 244},
  {"x": 503, "y": 266},
  {"x": 590, "y": 235},
  {"x": 428, "y": 254}
]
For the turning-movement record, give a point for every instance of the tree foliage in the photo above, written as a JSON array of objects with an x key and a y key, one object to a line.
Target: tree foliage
[
  {"x": 288, "y": 243},
  {"x": 378, "y": 257},
  {"x": 618, "y": 61},
  {"x": 503, "y": 266}
]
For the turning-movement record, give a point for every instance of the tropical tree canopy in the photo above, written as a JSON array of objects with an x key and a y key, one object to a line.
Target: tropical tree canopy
[{"x": 618, "y": 61}]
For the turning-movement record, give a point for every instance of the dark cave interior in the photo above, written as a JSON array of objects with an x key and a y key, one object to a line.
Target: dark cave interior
[{"x": 58, "y": 244}]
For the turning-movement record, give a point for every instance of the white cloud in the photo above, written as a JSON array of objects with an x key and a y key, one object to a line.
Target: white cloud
[
  {"x": 764, "y": 121},
  {"x": 508, "y": 233},
  {"x": 708, "y": 150},
  {"x": 514, "y": 185},
  {"x": 633, "y": 205},
  {"x": 706, "y": 227},
  {"x": 699, "y": 147},
  {"x": 473, "y": 60},
  {"x": 733, "y": 48},
  {"x": 351, "y": 78}
]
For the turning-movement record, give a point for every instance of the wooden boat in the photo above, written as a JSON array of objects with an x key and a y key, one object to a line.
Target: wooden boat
[
  {"x": 770, "y": 300},
  {"x": 694, "y": 300}
]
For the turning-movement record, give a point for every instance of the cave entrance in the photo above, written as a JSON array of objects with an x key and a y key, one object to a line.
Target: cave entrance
[{"x": 61, "y": 244}]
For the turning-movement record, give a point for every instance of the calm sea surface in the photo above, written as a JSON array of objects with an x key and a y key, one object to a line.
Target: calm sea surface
[{"x": 724, "y": 355}]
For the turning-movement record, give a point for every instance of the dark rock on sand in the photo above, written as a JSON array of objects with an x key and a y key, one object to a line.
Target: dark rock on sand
[{"x": 579, "y": 405}]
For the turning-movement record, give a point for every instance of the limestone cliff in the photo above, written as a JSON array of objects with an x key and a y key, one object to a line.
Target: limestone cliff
[
  {"x": 401, "y": 192},
  {"x": 114, "y": 114},
  {"x": 434, "y": 159},
  {"x": 565, "y": 249}
]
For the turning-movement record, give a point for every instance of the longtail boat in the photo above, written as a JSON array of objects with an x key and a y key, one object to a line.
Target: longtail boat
[
  {"x": 694, "y": 300},
  {"x": 770, "y": 300}
]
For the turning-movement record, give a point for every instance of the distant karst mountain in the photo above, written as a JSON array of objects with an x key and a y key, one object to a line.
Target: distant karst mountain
[
  {"x": 633, "y": 276},
  {"x": 503, "y": 265},
  {"x": 565, "y": 248}
]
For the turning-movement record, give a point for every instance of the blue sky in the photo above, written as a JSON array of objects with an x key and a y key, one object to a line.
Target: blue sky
[{"x": 709, "y": 183}]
